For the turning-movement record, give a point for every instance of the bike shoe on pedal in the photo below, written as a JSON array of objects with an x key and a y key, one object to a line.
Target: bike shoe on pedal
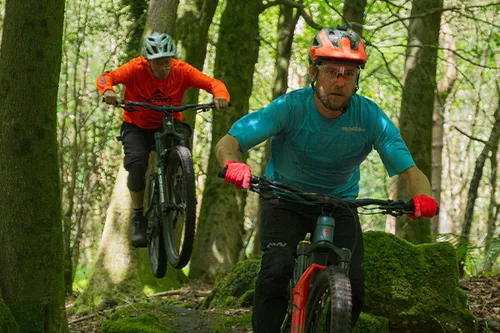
[{"x": 139, "y": 231}]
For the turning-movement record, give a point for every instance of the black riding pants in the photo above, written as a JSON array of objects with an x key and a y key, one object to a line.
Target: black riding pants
[
  {"x": 284, "y": 225},
  {"x": 137, "y": 144}
]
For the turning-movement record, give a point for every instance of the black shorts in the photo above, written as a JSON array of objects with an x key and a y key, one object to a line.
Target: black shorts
[{"x": 139, "y": 142}]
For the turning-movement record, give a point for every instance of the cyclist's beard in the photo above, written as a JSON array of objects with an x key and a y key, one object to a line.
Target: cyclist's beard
[{"x": 331, "y": 101}]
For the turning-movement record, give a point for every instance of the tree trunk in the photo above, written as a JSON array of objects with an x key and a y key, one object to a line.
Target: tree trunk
[
  {"x": 162, "y": 16},
  {"x": 445, "y": 86},
  {"x": 193, "y": 36},
  {"x": 354, "y": 11},
  {"x": 137, "y": 10},
  {"x": 286, "y": 29},
  {"x": 220, "y": 225},
  {"x": 31, "y": 240},
  {"x": 418, "y": 103},
  {"x": 493, "y": 210},
  {"x": 114, "y": 276},
  {"x": 491, "y": 145}
]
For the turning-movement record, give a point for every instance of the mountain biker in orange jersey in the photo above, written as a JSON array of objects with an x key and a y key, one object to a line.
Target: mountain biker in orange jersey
[
  {"x": 319, "y": 137},
  {"x": 155, "y": 78}
]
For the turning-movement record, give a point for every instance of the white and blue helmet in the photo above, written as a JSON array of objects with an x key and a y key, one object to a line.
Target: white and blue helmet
[{"x": 159, "y": 45}]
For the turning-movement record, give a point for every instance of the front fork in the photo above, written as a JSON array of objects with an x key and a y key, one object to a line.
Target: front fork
[
  {"x": 311, "y": 259},
  {"x": 161, "y": 158}
]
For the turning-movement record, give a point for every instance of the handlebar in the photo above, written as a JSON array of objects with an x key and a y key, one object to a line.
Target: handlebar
[
  {"x": 269, "y": 188},
  {"x": 129, "y": 106}
]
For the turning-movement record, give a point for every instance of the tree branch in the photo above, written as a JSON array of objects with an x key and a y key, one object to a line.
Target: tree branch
[
  {"x": 468, "y": 135},
  {"x": 300, "y": 8}
]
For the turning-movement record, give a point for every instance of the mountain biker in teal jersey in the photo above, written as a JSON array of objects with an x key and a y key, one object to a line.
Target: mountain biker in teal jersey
[{"x": 319, "y": 137}]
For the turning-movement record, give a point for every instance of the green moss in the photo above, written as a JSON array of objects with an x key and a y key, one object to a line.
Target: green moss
[
  {"x": 414, "y": 286},
  {"x": 246, "y": 300},
  {"x": 232, "y": 286},
  {"x": 187, "y": 305},
  {"x": 146, "y": 323},
  {"x": 142, "y": 317},
  {"x": 371, "y": 324},
  {"x": 8, "y": 323}
]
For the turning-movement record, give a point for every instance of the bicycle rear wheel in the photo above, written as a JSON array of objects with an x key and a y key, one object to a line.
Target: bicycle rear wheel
[
  {"x": 329, "y": 303},
  {"x": 156, "y": 245},
  {"x": 179, "y": 226}
]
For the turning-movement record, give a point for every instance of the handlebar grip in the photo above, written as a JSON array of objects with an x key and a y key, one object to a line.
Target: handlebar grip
[{"x": 221, "y": 173}]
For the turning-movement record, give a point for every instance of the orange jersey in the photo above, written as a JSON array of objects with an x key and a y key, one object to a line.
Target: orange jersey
[{"x": 142, "y": 86}]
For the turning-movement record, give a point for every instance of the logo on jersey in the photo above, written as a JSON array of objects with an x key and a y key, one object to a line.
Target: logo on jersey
[
  {"x": 352, "y": 129},
  {"x": 157, "y": 98}
]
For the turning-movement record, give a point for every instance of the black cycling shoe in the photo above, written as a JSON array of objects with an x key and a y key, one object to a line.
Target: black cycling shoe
[{"x": 139, "y": 232}]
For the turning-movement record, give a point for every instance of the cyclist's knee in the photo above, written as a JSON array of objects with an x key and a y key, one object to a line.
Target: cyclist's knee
[
  {"x": 136, "y": 180},
  {"x": 276, "y": 271}
]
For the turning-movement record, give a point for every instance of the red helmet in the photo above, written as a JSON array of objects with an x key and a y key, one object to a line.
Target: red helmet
[{"x": 338, "y": 43}]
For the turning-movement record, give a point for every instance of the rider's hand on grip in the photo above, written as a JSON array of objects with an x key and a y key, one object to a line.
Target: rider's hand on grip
[
  {"x": 238, "y": 173},
  {"x": 425, "y": 206},
  {"x": 111, "y": 98},
  {"x": 221, "y": 103}
]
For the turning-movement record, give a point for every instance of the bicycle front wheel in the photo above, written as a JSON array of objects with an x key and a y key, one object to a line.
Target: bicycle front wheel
[
  {"x": 329, "y": 303},
  {"x": 156, "y": 246},
  {"x": 179, "y": 225}
]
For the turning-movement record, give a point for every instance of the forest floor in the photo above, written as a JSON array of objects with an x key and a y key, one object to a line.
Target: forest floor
[{"x": 484, "y": 302}]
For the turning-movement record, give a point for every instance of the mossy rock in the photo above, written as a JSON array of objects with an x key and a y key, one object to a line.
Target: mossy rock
[
  {"x": 232, "y": 289},
  {"x": 414, "y": 286},
  {"x": 368, "y": 323}
]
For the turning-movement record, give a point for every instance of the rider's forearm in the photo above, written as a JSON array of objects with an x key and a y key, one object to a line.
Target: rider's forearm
[
  {"x": 417, "y": 182},
  {"x": 228, "y": 148}
]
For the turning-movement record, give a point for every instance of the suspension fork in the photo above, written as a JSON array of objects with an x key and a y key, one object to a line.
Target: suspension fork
[{"x": 161, "y": 158}]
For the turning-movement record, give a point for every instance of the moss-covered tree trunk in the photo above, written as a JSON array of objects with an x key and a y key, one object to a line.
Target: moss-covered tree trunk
[
  {"x": 31, "y": 250},
  {"x": 418, "y": 103},
  {"x": 220, "y": 225},
  {"x": 114, "y": 276},
  {"x": 121, "y": 272},
  {"x": 137, "y": 9},
  {"x": 193, "y": 35}
]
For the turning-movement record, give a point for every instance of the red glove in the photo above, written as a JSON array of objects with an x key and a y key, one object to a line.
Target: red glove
[
  {"x": 425, "y": 206},
  {"x": 238, "y": 173}
]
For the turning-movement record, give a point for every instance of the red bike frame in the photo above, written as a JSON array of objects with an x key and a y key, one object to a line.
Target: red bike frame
[{"x": 300, "y": 293}]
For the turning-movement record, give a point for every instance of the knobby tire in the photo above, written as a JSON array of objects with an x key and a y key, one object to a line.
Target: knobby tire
[
  {"x": 179, "y": 226},
  {"x": 329, "y": 303},
  {"x": 156, "y": 244}
]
